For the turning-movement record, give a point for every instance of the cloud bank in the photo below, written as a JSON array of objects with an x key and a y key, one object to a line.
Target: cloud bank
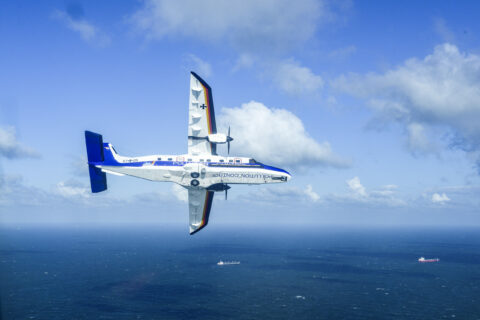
[{"x": 441, "y": 91}]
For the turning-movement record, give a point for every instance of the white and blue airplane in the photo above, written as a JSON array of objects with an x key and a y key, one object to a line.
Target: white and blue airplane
[{"x": 201, "y": 171}]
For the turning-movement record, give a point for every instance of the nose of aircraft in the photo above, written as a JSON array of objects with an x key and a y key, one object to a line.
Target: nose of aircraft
[{"x": 288, "y": 177}]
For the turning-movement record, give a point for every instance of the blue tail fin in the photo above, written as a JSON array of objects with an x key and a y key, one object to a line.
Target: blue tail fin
[{"x": 98, "y": 179}]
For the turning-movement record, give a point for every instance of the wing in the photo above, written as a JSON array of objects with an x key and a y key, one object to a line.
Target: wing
[
  {"x": 201, "y": 117},
  {"x": 199, "y": 203}
]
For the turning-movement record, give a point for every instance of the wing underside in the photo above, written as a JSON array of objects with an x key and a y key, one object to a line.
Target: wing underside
[
  {"x": 199, "y": 204},
  {"x": 201, "y": 117}
]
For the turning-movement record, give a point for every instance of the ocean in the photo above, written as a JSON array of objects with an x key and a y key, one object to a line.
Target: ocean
[{"x": 285, "y": 273}]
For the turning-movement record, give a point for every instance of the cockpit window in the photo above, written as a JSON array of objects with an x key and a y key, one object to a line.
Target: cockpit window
[{"x": 252, "y": 161}]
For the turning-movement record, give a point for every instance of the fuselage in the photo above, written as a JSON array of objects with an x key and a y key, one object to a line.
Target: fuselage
[{"x": 193, "y": 171}]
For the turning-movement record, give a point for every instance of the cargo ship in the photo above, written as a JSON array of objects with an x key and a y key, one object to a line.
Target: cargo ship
[
  {"x": 423, "y": 260},
  {"x": 226, "y": 263}
]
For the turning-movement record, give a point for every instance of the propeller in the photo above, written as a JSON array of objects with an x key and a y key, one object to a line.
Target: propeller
[
  {"x": 226, "y": 193},
  {"x": 229, "y": 139}
]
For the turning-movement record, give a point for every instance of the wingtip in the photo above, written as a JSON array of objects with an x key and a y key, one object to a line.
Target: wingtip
[{"x": 193, "y": 231}]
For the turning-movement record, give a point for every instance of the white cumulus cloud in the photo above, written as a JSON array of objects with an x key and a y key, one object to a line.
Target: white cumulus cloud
[
  {"x": 276, "y": 136},
  {"x": 285, "y": 194},
  {"x": 440, "y": 198},
  {"x": 442, "y": 91},
  {"x": 311, "y": 194},
  {"x": 356, "y": 187},
  {"x": 358, "y": 194},
  {"x": 73, "y": 189}
]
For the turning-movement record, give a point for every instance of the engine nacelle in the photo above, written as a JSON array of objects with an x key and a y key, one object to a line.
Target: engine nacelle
[
  {"x": 217, "y": 138},
  {"x": 217, "y": 187}
]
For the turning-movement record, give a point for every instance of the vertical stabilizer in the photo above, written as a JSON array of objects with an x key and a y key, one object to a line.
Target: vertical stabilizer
[{"x": 98, "y": 178}]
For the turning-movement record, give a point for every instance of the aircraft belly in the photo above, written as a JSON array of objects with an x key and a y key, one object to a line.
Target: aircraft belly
[{"x": 153, "y": 173}]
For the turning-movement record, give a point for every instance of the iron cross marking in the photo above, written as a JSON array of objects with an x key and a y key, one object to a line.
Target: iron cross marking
[{"x": 203, "y": 106}]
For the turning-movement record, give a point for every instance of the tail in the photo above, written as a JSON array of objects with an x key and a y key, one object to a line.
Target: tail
[{"x": 98, "y": 178}]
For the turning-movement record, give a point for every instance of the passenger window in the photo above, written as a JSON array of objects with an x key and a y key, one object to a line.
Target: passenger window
[
  {"x": 169, "y": 159},
  {"x": 159, "y": 159},
  {"x": 189, "y": 159},
  {"x": 230, "y": 160},
  {"x": 209, "y": 160},
  {"x": 222, "y": 160},
  {"x": 201, "y": 160},
  {"x": 237, "y": 161}
]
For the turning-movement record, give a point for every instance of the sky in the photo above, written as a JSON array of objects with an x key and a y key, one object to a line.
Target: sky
[{"x": 372, "y": 106}]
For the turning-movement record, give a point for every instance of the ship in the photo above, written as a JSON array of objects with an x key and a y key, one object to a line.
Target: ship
[
  {"x": 423, "y": 260},
  {"x": 226, "y": 263}
]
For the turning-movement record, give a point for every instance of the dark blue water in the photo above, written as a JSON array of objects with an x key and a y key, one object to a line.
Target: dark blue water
[{"x": 156, "y": 273}]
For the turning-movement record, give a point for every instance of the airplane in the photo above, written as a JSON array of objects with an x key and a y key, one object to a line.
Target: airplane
[{"x": 201, "y": 171}]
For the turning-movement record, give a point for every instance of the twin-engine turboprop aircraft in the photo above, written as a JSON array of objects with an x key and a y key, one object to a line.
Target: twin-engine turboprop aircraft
[{"x": 202, "y": 171}]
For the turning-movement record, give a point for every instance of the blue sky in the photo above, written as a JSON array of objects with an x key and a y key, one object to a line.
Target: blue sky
[{"x": 372, "y": 106}]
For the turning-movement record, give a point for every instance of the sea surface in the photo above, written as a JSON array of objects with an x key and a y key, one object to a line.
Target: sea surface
[{"x": 286, "y": 273}]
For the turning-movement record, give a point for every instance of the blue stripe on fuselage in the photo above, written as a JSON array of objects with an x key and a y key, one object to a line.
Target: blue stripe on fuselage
[{"x": 275, "y": 169}]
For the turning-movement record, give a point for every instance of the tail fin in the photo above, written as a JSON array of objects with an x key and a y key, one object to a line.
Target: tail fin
[{"x": 98, "y": 178}]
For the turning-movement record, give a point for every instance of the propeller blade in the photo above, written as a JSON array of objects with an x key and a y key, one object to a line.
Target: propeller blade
[
  {"x": 226, "y": 193},
  {"x": 228, "y": 140}
]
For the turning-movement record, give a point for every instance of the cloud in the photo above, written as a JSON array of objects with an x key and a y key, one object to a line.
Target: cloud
[
  {"x": 417, "y": 141},
  {"x": 358, "y": 194},
  {"x": 244, "y": 61},
  {"x": 13, "y": 191},
  {"x": 276, "y": 136},
  {"x": 357, "y": 188},
  {"x": 245, "y": 25},
  {"x": 75, "y": 21},
  {"x": 440, "y": 198},
  {"x": 294, "y": 79},
  {"x": 72, "y": 189},
  {"x": 201, "y": 67},
  {"x": 439, "y": 92},
  {"x": 311, "y": 194},
  {"x": 10, "y": 148},
  {"x": 282, "y": 196}
]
